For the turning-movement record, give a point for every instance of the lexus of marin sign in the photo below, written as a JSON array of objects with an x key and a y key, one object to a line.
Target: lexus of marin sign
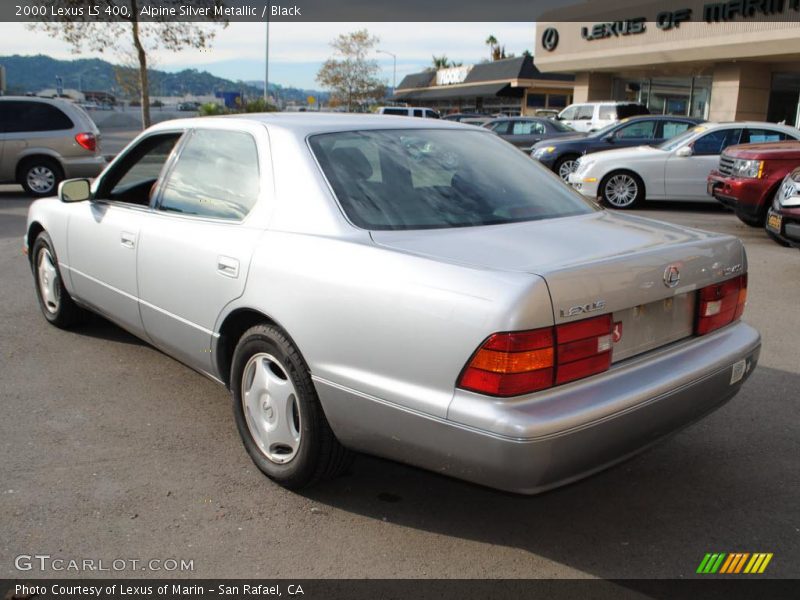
[{"x": 713, "y": 12}]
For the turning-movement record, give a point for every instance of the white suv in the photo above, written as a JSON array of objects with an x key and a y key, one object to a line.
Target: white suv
[
  {"x": 409, "y": 111},
  {"x": 591, "y": 116}
]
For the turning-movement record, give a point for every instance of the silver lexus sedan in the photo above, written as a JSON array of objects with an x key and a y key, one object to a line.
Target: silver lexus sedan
[{"x": 414, "y": 289}]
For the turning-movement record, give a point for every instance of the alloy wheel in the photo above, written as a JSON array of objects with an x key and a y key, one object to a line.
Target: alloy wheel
[
  {"x": 49, "y": 285},
  {"x": 41, "y": 179},
  {"x": 621, "y": 190}
]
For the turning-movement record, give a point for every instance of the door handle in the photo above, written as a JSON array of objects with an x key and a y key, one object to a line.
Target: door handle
[
  {"x": 128, "y": 240},
  {"x": 228, "y": 266}
]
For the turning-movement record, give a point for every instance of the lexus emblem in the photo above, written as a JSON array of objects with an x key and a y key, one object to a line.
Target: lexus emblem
[
  {"x": 550, "y": 39},
  {"x": 672, "y": 276}
]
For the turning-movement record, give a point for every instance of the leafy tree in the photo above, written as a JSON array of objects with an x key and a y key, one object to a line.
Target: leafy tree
[
  {"x": 349, "y": 74},
  {"x": 441, "y": 62},
  {"x": 144, "y": 36}
]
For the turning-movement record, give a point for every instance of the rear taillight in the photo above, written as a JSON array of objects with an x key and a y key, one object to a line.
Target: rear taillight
[
  {"x": 720, "y": 304},
  {"x": 87, "y": 141},
  {"x": 515, "y": 363}
]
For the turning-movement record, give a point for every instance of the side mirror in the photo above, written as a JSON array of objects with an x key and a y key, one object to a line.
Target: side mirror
[
  {"x": 684, "y": 152},
  {"x": 610, "y": 138},
  {"x": 74, "y": 190}
]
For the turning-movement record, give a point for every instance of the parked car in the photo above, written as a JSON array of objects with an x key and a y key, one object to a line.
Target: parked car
[
  {"x": 561, "y": 155},
  {"x": 547, "y": 113},
  {"x": 461, "y": 116},
  {"x": 591, "y": 116},
  {"x": 409, "y": 111},
  {"x": 674, "y": 170},
  {"x": 749, "y": 175},
  {"x": 783, "y": 217},
  {"x": 465, "y": 313},
  {"x": 189, "y": 106},
  {"x": 44, "y": 140},
  {"x": 524, "y": 132}
]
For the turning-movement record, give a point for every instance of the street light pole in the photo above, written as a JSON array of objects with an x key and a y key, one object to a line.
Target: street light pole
[
  {"x": 266, "y": 61},
  {"x": 394, "y": 68}
]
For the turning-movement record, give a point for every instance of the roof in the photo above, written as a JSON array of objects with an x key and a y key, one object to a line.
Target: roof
[
  {"x": 506, "y": 69},
  {"x": 308, "y": 123},
  {"x": 446, "y": 91}
]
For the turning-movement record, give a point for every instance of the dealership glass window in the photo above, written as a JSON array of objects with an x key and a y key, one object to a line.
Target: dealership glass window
[
  {"x": 557, "y": 100},
  {"x": 537, "y": 100},
  {"x": 684, "y": 96}
]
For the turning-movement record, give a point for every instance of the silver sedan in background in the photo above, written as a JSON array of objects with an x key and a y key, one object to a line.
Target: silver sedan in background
[{"x": 414, "y": 289}]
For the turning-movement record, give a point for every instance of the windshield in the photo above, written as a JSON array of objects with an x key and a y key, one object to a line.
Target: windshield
[
  {"x": 679, "y": 140},
  {"x": 559, "y": 126},
  {"x": 429, "y": 178}
]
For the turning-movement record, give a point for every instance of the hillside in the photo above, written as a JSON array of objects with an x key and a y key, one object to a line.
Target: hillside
[{"x": 34, "y": 73}]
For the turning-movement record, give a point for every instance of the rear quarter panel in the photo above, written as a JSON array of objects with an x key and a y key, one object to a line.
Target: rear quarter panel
[{"x": 390, "y": 325}]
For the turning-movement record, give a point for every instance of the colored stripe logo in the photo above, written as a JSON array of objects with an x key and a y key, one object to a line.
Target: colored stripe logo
[{"x": 734, "y": 563}]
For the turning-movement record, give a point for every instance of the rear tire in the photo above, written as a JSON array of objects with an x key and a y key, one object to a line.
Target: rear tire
[
  {"x": 40, "y": 176},
  {"x": 56, "y": 304},
  {"x": 622, "y": 189},
  {"x": 278, "y": 413}
]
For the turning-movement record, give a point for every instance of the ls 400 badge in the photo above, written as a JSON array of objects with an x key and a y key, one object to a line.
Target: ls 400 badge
[{"x": 583, "y": 308}]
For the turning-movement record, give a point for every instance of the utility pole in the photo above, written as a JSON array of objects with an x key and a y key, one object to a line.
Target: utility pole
[
  {"x": 266, "y": 60},
  {"x": 394, "y": 68}
]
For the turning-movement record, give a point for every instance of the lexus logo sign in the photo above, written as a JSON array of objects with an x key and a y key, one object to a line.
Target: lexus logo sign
[{"x": 550, "y": 39}]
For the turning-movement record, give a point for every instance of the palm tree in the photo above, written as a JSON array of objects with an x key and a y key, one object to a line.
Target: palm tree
[
  {"x": 441, "y": 62},
  {"x": 491, "y": 41}
]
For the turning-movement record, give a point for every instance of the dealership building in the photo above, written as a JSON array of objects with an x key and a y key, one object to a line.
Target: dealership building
[
  {"x": 512, "y": 86},
  {"x": 729, "y": 67}
]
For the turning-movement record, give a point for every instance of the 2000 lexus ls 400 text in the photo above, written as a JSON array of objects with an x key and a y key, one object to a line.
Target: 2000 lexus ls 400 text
[{"x": 414, "y": 290}]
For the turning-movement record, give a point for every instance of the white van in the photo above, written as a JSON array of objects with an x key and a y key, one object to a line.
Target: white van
[
  {"x": 591, "y": 116},
  {"x": 409, "y": 111}
]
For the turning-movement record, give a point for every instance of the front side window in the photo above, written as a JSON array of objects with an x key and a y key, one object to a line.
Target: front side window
[
  {"x": 568, "y": 114},
  {"x": 423, "y": 179},
  {"x": 216, "y": 176},
  {"x": 133, "y": 179},
  {"x": 639, "y": 130},
  {"x": 715, "y": 142},
  {"x": 527, "y": 128}
]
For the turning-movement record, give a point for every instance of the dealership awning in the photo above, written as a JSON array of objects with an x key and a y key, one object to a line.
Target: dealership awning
[{"x": 461, "y": 91}]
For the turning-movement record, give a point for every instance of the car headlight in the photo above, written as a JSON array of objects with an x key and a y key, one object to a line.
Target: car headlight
[
  {"x": 752, "y": 169},
  {"x": 540, "y": 152}
]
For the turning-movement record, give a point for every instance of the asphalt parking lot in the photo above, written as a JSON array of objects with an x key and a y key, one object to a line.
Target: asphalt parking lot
[{"x": 112, "y": 450}]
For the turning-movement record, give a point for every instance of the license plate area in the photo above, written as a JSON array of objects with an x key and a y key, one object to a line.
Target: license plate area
[{"x": 649, "y": 326}]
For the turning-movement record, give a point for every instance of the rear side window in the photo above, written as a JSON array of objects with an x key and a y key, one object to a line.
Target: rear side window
[
  {"x": 501, "y": 127},
  {"x": 417, "y": 112},
  {"x": 395, "y": 111},
  {"x": 759, "y": 136},
  {"x": 527, "y": 128},
  {"x": 608, "y": 112},
  {"x": 216, "y": 176},
  {"x": 673, "y": 128},
  {"x": 22, "y": 116},
  {"x": 432, "y": 178}
]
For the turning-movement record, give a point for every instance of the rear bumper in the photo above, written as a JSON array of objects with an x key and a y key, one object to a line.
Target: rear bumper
[
  {"x": 534, "y": 443},
  {"x": 83, "y": 167},
  {"x": 745, "y": 196}
]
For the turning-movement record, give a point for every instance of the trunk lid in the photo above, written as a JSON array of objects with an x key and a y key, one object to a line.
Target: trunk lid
[{"x": 596, "y": 264}]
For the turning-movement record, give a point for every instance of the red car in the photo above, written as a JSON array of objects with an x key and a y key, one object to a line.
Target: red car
[
  {"x": 783, "y": 218},
  {"x": 749, "y": 175}
]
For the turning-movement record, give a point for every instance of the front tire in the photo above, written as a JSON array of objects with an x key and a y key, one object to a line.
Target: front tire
[
  {"x": 622, "y": 189},
  {"x": 40, "y": 176},
  {"x": 56, "y": 304},
  {"x": 278, "y": 413}
]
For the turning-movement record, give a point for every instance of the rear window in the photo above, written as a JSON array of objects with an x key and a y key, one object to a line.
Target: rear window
[
  {"x": 428, "y": 178},
  {"x": 23, "y": 116}
]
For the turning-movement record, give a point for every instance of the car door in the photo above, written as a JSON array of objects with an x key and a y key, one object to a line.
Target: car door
[
  {"x": 103, "y": 234},
  {"x": 584, "y": 118},
  {"x": 195, "y": 247},
  {"x": 685, "y": 176}
]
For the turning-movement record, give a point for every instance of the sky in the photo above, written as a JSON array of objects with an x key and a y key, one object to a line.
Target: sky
[{"x": 298, "y": 49}]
